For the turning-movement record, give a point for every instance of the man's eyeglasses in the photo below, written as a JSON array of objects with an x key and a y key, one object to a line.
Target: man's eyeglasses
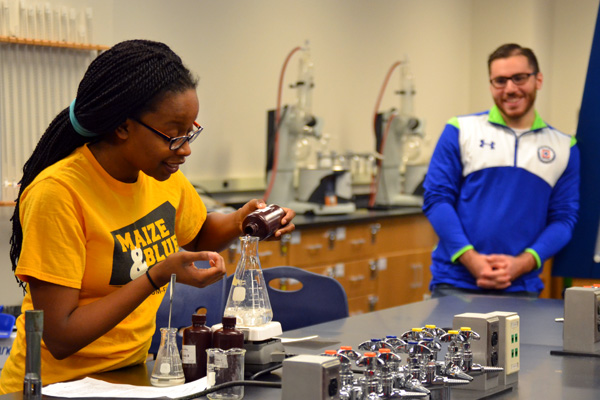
[
  {"x": 175, "y": 142},
  {"x": 500, "y": 82}
]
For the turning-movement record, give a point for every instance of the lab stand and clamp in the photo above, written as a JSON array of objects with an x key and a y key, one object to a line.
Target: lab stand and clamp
[
  {"x": 323, "y": 188},
  {"x": 399, "y": 140}
]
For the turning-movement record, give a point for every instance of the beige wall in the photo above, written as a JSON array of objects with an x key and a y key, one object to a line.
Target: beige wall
[
  {"x": 237, "y": 48},
  {"x": 560, "y": 32}
]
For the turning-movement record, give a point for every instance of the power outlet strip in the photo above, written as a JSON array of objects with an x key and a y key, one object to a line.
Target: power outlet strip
[
  {"x": 582, "y": 320},
  {"x": 509, "y": 346},
  {"x": 485, "y": 350}
]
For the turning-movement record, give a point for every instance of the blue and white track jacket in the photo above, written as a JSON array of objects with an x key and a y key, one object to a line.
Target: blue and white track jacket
[{"x": 495, "y": 192}]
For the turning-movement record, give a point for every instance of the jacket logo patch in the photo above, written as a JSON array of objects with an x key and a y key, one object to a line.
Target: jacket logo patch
[
  {"x": 483, "y": 143},
  {"x": 546, "y": 154}
]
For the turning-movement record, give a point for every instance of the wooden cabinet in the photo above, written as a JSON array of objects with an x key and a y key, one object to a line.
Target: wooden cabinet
[
  {"x": 359, "y": 278},
  {"x": 407, "y": 233},
  {"x": 315, "y": 246},
  {"x": 405, "y": 278},
  {"x": 381, "y": 262}
]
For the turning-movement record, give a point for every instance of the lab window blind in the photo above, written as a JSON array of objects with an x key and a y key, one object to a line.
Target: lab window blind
[{"x": 36, "y": 83}]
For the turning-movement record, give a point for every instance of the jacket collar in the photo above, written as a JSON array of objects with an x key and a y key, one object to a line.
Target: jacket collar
[{"x": 495, "y": 117}]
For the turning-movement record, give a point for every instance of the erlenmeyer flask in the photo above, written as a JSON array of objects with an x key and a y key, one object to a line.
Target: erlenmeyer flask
[
  {"x": 248, "y": 298},
  {"x": 167, "y": 370}
]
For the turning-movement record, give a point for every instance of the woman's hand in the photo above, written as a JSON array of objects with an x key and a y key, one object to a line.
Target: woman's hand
[
  {"x": 219, "y": 230},
  {"x": 70, "y": 326},
  {"x": 286, "y": 225},
  {"x": 249, "y": 207},
  {"x": 182, "y": 264}
]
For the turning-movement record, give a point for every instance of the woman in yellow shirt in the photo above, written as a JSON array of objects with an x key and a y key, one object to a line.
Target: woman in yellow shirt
[{"x": 103, "y": 210}]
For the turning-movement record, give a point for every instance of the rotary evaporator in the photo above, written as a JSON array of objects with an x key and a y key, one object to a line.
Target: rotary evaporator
[
  {"x": 322, "y": 186},
  {"x": 400, "y": 139}
]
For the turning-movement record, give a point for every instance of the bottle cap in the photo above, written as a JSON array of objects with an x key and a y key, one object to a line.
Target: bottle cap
[
  {"x": 230, "y": 321},
  {"x": 198, "y": 318}
]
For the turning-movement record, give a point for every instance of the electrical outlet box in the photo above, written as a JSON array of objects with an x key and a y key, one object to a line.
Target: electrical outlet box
[
  {"x": 485, "y": 350},
  {"x": 509, "y": 346},
  {"x": 581, "y": 330},
  {"x": 311, "y": 377}
]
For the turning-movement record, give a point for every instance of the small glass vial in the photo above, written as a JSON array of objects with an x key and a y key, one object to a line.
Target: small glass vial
[
  {"x": 228, "y": 337},
  {"x": 264, "y": 222},
  {"x": 196, "y": 339}
]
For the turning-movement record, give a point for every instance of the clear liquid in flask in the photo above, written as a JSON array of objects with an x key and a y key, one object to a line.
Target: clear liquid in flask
[
  {"x": 248, "y": 299},
  {"x": 168, "y": 369}
]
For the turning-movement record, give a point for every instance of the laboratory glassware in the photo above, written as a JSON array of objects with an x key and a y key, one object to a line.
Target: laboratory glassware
[
  {"x": 228, "y": 337},
  {"x": 168, "y": 369},
  {"x": 248, "y": 298},
  {"x": 196, "y": 339},
  {"x": 225, "y": 366}
]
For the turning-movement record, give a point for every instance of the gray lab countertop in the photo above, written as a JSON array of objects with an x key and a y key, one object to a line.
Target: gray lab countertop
[
  {"x": 360, "y": 215},
  {"x": 542, "y": 376}
]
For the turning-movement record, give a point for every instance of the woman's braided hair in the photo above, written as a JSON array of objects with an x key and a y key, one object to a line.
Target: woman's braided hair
[{"x": 128, "y": 80}]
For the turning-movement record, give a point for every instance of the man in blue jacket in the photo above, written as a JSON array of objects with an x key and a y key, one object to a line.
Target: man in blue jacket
[{"x": 502, "y": 189}]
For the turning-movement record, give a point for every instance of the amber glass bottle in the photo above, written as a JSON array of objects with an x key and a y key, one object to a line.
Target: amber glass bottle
[
  {"x": 228, "y": 337},
  {"x": 263, "y": 222},
  {"x": 196, "y": 339}
]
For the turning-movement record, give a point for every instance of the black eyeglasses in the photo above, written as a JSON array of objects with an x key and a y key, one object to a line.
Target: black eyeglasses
[
  {"x": 175, "y": 142},
  {"x": 500, "y": 82}
]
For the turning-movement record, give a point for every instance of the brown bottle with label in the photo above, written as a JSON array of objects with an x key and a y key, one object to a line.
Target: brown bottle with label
[
  {"x": 228, "y": 337},
  {"x": 263, "y": 222},
  {"x": 196, "y": 339}
]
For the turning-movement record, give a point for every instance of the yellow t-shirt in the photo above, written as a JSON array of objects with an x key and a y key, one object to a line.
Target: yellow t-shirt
[{"x": 85, "y": 230}]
